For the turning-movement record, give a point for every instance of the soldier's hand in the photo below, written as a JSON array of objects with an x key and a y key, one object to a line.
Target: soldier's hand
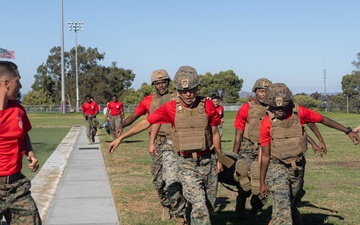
[
  {"x": 119, "y": 131},
  {"x": 152, "y": 149},
  {"x": 354, "y": 137},
  {"x": 220, "y": 167},
  {"x": 34, "y": 163},
  {"x": 263, "y": 191},
  {"x": 114, "y": 144}
]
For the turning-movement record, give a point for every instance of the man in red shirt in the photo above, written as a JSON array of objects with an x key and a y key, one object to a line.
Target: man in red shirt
[
  {"x": 115, "y": 115},
  {"x": 283, "y": 142},
  {"x": 17, "y": 205},
  {"x": 160, "y": 80},
  {"x": 220, "y": 109},
  {"x": 90, "y": 109},
  {"x": 195, "y": 139}
]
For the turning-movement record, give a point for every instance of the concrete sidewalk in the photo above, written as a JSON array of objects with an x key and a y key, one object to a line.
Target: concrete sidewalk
[{"x": 81, "y": 192}]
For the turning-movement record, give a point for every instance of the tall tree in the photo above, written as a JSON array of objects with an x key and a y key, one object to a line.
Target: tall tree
[
  {"x": 100, "y": 81},
  {"x": 225, "y": 83}
]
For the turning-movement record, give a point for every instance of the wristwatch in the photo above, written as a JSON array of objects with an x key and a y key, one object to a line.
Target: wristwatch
[{"x": 348, "y": 130}]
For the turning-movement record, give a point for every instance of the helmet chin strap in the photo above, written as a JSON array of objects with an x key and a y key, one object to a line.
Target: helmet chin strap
[{"x": 188, "y": 103}]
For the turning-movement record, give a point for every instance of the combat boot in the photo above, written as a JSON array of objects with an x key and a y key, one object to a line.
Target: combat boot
[
  {"x": 165, "y": 214},
  {"x": 255, "y": 177},
  {"x": 241, "y": 171},
  {"x": 240, "y": 206}
]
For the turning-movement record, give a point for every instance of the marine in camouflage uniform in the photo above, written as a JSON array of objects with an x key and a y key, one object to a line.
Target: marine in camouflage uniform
[
  {"x": 247, "y": 125},
  {"x": 16, "y": 205},
  {"x": 160, "y": 79},
  {"x": 283, "y": 141},
  {"x": 195, "y": 138}
]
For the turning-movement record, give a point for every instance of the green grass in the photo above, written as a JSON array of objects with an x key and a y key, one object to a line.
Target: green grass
[
  {"x": 44, "y": 142},
  {"x": 332, "y": 183}
]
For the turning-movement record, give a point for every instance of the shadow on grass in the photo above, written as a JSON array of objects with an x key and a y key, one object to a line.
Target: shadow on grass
[
  {"x": 318, "y": 218},
  {"x": 226, "y": 140}
]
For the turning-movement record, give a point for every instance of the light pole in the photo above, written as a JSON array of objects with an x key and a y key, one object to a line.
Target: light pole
[
  {"x": 63, "y": 101},
  {"x": 76, "y": 26}
]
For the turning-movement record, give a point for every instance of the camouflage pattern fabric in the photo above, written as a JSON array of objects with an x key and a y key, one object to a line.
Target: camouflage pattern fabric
[
  {"x": 220, "y": 129},
  {"x": 286, "y": 187},
  {"x": 278, "y": 95},
  {"x": 250, "y": 153},
  {"x": 173, "y": 186},
  {"x": 156, "y": 173},
  {"x": 186, "y": 78},
  {"x": 199, "y": 182},
  {"x": 114, "y": 124},
  {"x": 91, "y": 125},
  {"x": 261, "y": 83},
  {"x": 17, "y": 205}
]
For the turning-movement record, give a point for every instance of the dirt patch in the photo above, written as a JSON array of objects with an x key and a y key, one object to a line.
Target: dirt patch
[{"x": 345, "y": 164}]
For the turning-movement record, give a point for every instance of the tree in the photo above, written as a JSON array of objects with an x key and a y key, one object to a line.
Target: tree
[
  {"x": 99, "y": 81},
  {"x": 225, "y": 83},
  {"x": 306, "y": 101}
]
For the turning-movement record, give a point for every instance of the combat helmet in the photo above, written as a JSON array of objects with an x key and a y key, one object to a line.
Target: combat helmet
[
  {"x": 159, "y": 74},
  {"x": 186, "y": 78},
  {"x": 278, "y": 95},
  {"x": 262, "y": 83}
]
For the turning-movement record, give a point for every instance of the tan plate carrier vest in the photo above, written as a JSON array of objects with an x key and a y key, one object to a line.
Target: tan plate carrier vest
[
  {"x": 288, "y": 138},
  {"x": 165, "y": 129},
  {"x": 192, "y": 131},
  {"x": 252, "y": 127}
]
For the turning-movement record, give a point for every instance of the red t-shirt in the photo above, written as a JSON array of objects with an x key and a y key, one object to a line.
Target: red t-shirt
[
  {"x": 220, "y": 110},
  {"x": 144, "y": 106},
  {"x": 14, "y": 125},
  {"x": 241, "y": 116},
  {"x": 306, "y": 116},
  {"x": 166, "y": 113},
  {"x": 115, "y": 108},
  {"x": 90, "y": 108}
]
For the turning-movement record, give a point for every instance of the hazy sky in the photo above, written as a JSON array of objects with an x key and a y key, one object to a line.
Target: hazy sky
[{"x": 286, "y": 41}]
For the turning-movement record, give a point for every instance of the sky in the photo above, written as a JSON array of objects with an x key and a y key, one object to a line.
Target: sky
[{"x": 286, "y": 41}]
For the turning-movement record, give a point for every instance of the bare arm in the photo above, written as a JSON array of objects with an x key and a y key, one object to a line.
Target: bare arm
[
  {"x": 137, "y": 128},
  {"x": 333, "y": 124},
  {"x": 264, "y": 165},
  {"x": 128, "y": 121},
  {"x": 217, "y": 144},
  {"x": 322, "y": 145},
  {"x": 238, "y": 139},
  {"x": 154, "y": 130}
]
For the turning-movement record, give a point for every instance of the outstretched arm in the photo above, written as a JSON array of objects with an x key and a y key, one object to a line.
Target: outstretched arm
[
  {"x": 128, "y": 121},
  {"x": 238, "y": 139},
  {"x": 137, "y": 128},
  {"x": 333, "y": 124}
]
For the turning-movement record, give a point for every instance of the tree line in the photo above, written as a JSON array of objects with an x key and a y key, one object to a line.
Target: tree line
[{"x": 104, "y": 81}]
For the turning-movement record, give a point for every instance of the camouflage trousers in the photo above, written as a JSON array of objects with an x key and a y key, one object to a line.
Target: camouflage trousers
[
  {"x": 250, "y": 152},
  {"x": 91, "y": 125},
  {"x": 17, "y": 205},
  {"x": 157, "y": 176},
  {"x": 199, "y": 182},
  {"x": 220, "y": 129},
  {"x": 114, "y": 124},
  {"x": 172, "y": 183},
  {"x": 286, "y": 187}
]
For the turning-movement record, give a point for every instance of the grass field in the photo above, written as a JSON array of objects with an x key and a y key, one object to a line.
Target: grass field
[{"x": 332, "y": 183}]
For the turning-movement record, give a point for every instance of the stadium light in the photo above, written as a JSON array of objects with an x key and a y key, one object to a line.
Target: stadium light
[{"x": 76, "y": 26}]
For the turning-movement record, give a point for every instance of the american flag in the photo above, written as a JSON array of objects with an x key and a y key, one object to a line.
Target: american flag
[{"x": 7, "y": 54}]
